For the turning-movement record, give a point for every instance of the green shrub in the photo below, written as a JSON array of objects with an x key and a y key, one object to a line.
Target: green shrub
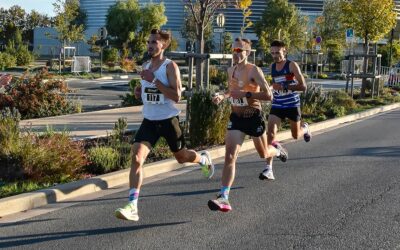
[
  {"x": 218, "y": 77},
  {"x": 9, "y": 131},
  {"x": 204, "y": 128},
  {"x": 110, "y": 56},
  {"x": 24, "y": 56},
  {"x": 129, "y": 99},
  {"x": 7, "y": 60},
  {"x": 14, "y": 188},
  {"x": 322, "y": 76},
  {"x": 102, "y": 160},
  {"x": 313, "y": 100},
  {"x": 51, "y": 159},
  {"x": 37, "y": 96}
]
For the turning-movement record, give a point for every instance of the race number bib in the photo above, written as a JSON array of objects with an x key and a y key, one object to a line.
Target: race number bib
[
  {"x": 240, "y": 102},
  {"x": 154, "y": 96},
  {"x": 279, "y": 79}
]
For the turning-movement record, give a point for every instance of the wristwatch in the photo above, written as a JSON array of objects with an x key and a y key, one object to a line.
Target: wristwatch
[{"x": 248, "y": 94}]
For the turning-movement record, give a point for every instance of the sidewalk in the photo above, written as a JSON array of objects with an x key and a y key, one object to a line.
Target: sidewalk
[
  {"x": 96, "y": 124},
  {"x": 91, "y": 124}
]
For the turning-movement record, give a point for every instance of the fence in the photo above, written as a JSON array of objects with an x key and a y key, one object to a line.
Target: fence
[{"x": 391, "y": 76}]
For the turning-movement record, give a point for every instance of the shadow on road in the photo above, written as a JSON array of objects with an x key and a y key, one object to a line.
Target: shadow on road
[{"x": 22, "y": 240}]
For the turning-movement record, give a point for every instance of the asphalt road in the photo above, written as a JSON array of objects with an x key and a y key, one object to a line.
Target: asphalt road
[
  {"x": 98, "y": 94},
  {"x": 105, "y": 94},
  {"x": 340, "y": 191}
]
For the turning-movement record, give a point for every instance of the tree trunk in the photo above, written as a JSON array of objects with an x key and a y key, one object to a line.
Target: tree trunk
[
  {"x": 365, "y": 65},
  {"x": 199, "y": 62}
]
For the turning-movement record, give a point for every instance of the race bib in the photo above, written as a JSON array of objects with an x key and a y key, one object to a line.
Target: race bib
[
  {"x": 154, "y": 96},
  {"x": 279, "y": 79},
  {"x": 240, "y": 102}
]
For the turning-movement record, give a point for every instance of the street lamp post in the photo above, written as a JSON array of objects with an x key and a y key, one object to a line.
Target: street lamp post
[{"x": 221, "y": 24}]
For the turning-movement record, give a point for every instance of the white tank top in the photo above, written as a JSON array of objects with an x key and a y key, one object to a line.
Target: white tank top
[{"x": 156, "y": 106}]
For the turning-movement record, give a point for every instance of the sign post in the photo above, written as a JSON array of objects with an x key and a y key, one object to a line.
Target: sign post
[{"x": 220, "y": 23}]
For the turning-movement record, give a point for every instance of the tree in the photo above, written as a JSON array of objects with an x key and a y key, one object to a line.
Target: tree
[
  {"x": 244, "y": 6},
  {"x": 281, "y": 20},
  {"x": 227, "y": 43},
  {"x": 202, "y": 12},
  {"x": 130, "y": 25},
  {"x": 69, "y": 21},
  {"x": 332, "y": 30},
  {"x": 371, "y": 20},
  {"x": 384, "y": 50}
]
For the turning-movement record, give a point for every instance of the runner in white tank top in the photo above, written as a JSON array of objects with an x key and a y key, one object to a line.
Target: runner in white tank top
[{"x": 160, "y": 91}]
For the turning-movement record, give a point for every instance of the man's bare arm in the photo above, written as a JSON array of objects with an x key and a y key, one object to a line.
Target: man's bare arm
[
  {"x": 173, "y": 91},
  {"x": 266, "y": 93},
  {"x": 301, "y": 82}
]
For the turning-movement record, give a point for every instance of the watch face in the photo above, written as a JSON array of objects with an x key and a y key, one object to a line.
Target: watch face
[{"x": 248, "y": 95}]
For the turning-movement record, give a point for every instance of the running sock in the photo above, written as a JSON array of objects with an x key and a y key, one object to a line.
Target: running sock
[
  {"x": 203, "y": 160},
  {"x": 268, "y": 167},
  {"x": 225, "y": 192},
  {"x": 305, "y": 129},
  {"x": 278, "y": 152},
  {"x": 134, "y": 196}
]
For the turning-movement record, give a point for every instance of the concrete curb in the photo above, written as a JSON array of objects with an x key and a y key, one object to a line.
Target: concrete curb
[{"x": 58, "y": 193}]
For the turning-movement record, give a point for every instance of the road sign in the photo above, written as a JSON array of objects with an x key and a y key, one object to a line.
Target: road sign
[
  {"x": 220, "y": 20},
  {"x": 219, "y": 30},
  {"x": 318, "y": 39},
  {"x": 317, "y": 47},
  {"x": 349, "y": 35},
  {"x": 103, "y": 32}
]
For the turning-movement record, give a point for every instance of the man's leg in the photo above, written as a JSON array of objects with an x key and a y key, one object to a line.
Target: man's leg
[
  {"x": 298, "y": 128},
  {"x": 233, "y": 142},
  {"x": 272, "y": 129},
  {"x": 172, "y": 133},
  {"x": 204, "y": 160},
  {"x": 140, "y": 151}
]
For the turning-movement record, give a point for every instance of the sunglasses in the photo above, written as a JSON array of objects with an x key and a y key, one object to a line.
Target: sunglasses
[{"x": 238, "y": 50}]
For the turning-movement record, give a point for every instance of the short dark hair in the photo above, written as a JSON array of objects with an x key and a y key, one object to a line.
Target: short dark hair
[
  {"x": 165, "y": 35},
  {"x": 278, "y": 43}
]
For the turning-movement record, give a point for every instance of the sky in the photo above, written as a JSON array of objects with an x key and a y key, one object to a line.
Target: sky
[{"x": 41, "y": 6}]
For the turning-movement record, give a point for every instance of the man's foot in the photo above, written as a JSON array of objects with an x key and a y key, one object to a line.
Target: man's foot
[
  {"x": 220, "y": 204},
  {"x": 208, "y": 168},
  {"x": 283, "y": 156},
  {"x": 128, "y": 212},
  {"x": 307, "y": 135},
  {"x": 267, "y": 174}
]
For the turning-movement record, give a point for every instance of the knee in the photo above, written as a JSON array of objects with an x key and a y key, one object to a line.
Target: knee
[{"x": 137, "y": 161}]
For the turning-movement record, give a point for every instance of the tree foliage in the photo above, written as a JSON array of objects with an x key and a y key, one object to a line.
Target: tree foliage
[
  {"x": 384, "y": 51},
  {"x": 129, "y": 24},
  {"x": 69, "y": 21},
  {"x": 280, "y": 20},
  {"x": 371, "y": 20},
  {"x": 244, "y": 6}
]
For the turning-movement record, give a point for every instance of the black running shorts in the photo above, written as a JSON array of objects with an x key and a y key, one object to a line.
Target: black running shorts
[
  {"x": 253, "y": 125},
  {"x": 151, "y": 131},
  {"x": 293, "y": 114}
]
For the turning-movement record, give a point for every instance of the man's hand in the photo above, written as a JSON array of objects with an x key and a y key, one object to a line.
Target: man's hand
[
  {"x": 217, "y": 98},
  {"x": 147, "y": 75},
  {"x": 277, "y": 86}
]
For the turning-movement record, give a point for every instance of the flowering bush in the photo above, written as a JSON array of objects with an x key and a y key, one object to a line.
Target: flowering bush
[{"x": 39, "y": 96}]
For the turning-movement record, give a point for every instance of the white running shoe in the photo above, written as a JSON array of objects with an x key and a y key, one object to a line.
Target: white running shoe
[
  {"x": 307, "y": 136},
  {"x": 208, "y": 168},
  {"x": 128, "y": 212},
  {"x": 267, "y": 174}
]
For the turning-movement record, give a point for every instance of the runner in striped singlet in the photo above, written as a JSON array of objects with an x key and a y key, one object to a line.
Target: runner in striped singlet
[{"x": 287, "y": 79}]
